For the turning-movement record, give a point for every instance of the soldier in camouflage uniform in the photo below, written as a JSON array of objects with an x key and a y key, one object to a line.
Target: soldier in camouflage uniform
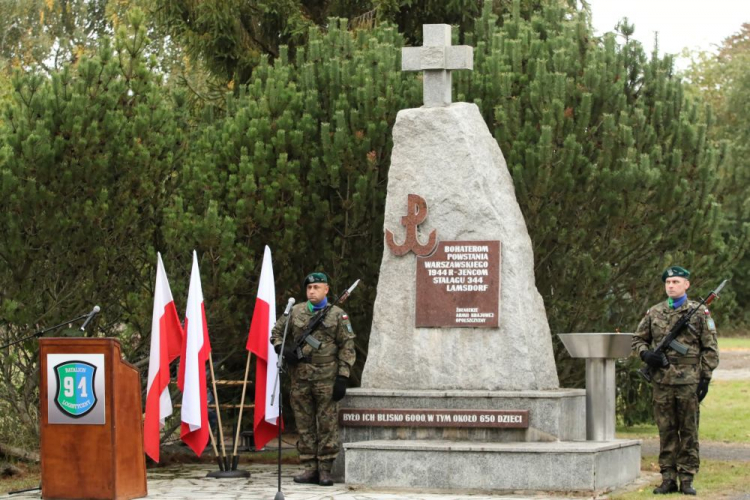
[
  {"x": 319, "y": 380},
  {"x": 679, "y": 382}
]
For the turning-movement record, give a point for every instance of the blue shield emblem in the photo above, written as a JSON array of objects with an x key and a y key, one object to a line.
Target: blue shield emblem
[{"x": 75, "y": 388}]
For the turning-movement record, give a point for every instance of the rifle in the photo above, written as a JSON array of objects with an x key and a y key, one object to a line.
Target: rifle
[
  {"x": 670, "y": 340},
  {"x": 316, "y": 321}
]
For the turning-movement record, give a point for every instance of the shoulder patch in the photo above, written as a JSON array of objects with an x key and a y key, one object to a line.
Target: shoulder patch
[
  {"x": 647, "y": 311},
  {"x": 707, "y": 312},
  {"x": 344, "y": 316},
  {"x": 711, "y": 324}
]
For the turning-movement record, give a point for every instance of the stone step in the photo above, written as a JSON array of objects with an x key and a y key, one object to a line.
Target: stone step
[
  {"x": 554, "y": 415},
  {"x": 449, "y": 465}
]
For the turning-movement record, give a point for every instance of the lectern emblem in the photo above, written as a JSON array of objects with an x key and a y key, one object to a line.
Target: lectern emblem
[{"x": 75, "y": 396}]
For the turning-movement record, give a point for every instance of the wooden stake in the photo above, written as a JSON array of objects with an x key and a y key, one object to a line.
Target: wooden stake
[
  {"x": 242, "y": 405},
  {"x": 216, "y": 403},
  {"x": 219, "y": 460},
  {"x": 213, "y": 441}
]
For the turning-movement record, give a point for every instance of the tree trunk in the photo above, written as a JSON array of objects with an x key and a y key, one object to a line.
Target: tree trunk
[{"x": 21, "y": 454}]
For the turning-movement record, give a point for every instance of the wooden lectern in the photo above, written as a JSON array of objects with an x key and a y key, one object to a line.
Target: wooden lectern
[{"x": 91, "y": 427}]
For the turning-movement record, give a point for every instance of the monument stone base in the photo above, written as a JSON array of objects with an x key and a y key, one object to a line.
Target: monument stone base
[
  {"x": 551, "y": 454},
  {"x": 468, "y": 465}
]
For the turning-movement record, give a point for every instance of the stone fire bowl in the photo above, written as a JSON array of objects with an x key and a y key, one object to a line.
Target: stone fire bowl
[{"x": 597, "y": 345}]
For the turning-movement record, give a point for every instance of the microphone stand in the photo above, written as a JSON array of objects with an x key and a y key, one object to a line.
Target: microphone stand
[
  {"x": 276, "y": 383},
  {"x": 42, "y": 332}
]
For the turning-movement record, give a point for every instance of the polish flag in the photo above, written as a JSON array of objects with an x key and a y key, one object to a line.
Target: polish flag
[
  {"x": 266, "y": 417},
  {"x": 192, "y": 375},
  {"x": 166, "y": 344}
]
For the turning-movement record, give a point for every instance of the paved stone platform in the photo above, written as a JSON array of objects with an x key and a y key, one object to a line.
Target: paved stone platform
[{"x": 190, "y": 481}]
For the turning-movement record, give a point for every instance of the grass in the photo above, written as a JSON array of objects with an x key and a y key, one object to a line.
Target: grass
[
  {"x": 716, "y": 480},
  {"x": 733, "y": 343},
  {"x": 725, "y": 415},
  {"x": 734, "y": 331},
  {"x": 30, "y": 478},
  {"x": 270, "y": 457}
]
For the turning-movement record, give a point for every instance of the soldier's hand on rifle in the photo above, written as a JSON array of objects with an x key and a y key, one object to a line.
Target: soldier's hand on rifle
[
  {"x": 339, "y": 387},
  {"x": 702, "y": 388},
  {"x": 654, "y": 360},
  {"x": 290, "y": 356}
]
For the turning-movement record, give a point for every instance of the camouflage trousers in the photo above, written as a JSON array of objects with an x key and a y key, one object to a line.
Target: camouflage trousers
[
  {"x": 316, "y": 415},
  {"x": 676, "y": 414}
]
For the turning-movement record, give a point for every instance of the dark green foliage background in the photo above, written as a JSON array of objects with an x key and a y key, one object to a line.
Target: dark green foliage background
[
  {"x": 88, "y": 160},
  {"x": 298, "y": 163},
  {"x": 102, "y": 165}
]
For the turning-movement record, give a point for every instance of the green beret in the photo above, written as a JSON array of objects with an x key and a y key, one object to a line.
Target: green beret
[
  {"x": 316, "y": 278},
  {"x": 675, "y": 271}
]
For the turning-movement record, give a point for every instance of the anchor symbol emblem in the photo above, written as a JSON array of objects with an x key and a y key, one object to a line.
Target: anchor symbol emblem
[{"x": 417, "y": 213}]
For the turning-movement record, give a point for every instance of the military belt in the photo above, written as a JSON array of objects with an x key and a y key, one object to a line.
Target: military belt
[
  {"x": 684, "y": 360},
  {"x": 318, "y": 360}
]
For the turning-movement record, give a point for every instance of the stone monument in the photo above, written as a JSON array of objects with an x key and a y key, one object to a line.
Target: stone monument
[{"x": 459, "y": 389}]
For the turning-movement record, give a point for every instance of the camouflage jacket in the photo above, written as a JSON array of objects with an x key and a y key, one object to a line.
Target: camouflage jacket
[
  {"x": 336, "y": 337},
  {"x": 703, "y": 353}
]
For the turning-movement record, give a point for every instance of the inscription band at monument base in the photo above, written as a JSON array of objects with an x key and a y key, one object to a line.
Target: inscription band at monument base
[
  {"x": 459, "y": 285},
  {"x": 430, "y": 417}
]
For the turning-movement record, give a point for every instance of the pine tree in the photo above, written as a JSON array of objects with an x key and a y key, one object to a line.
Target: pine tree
[
  {"x": 300, "y": 164},
  {"x": 612, "y": 169},
  {"x": 87, "y": 159},
  {"x": 609, "y": 160},
  {"x": 230, "y": 36},
  {"x": 100, "y": 166},
  {"x": 722, "y": 80},
  {"x": 50, "y": 33}
]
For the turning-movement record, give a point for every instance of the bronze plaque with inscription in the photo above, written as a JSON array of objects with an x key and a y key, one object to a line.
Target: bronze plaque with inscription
[
  {"x": 459, "y": 285},
  {"x": 399, "y": 417}
]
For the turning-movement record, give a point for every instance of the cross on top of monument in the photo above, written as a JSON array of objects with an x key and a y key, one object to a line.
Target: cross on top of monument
[{"x": 437, "y": 58}]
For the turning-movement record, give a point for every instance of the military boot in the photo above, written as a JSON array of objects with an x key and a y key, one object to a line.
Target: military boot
[
  {"x": 309, "y": 476},
  {"x": 325, "y": 478},
  {"x": 686, "y": 487},
  {"x": 667, "y": 486}
]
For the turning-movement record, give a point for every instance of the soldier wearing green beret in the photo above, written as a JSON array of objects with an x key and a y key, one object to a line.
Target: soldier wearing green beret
[
  {"x": 679, "y": 382},
  {"x": 319, "y": 379}
]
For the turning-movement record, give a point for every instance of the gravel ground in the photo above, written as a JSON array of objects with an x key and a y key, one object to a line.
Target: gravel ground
[
  {"x": 734, "y": 364},
  {"x": 709, "y": 450},
  {"x": 734, "y": 359}
]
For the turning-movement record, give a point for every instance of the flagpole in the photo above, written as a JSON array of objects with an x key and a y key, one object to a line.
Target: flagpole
[
  {"x": 218, "y": 412},
  {"x": 235, "y": 457}
]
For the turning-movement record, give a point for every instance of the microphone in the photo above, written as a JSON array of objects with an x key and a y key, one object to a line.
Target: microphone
[
  {"x": 289, "y": 306},
  {"x": 91, "y": 315}
]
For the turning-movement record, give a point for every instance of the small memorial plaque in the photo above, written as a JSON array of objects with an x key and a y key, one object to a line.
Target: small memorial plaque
[
  {"x": 459, "y": 285},
  {"x": 397, "y": 417}
]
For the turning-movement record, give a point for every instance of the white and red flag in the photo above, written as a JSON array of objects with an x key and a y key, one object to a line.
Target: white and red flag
[
  {"x": 192, "y": 375},
  {"x": 166, "y": 345},
  {"x": 266, "y": 418}
]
